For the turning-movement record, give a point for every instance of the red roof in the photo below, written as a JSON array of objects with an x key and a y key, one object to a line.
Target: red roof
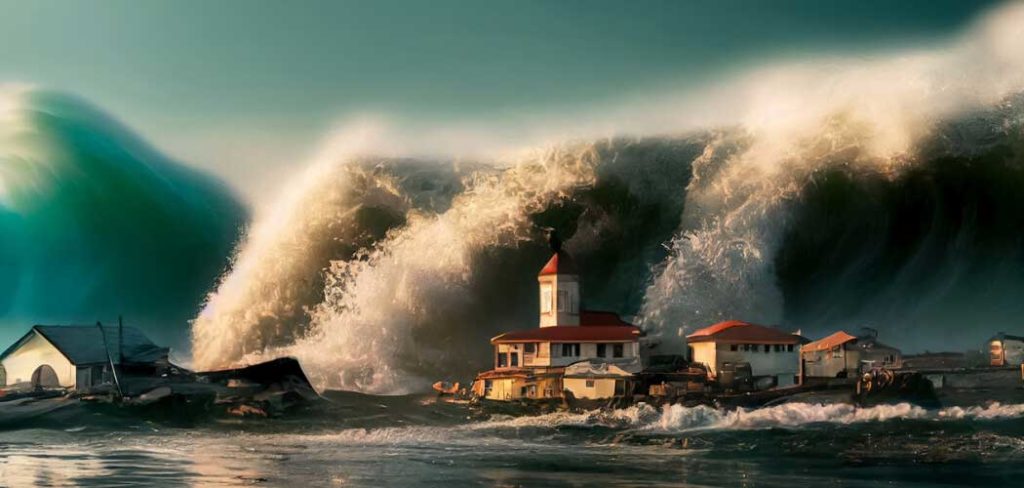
[
  {"x": 590, "y": 318},
  {"x": 571, "y": 333},
  {"x": 560, "y": 263},
  {"x": 826, "y": 344},
  {"x": 739, "y": 332}
]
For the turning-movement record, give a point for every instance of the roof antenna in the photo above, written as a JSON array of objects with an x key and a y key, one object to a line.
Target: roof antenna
[{"x": 554, "y": 241}]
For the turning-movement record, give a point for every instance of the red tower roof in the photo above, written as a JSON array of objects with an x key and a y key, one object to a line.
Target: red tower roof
[{"x": 560, "y": 263}]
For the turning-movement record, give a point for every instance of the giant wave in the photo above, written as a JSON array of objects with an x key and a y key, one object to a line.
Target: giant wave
[
  {"x": 878, "y": 192},
  {"x": 97, "y": 223}
]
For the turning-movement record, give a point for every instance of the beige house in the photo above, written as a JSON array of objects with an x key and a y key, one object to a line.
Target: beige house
[
  {"x": 530, "y": 363},
  {"x": 73, "y": 357},
  {"x": 769, "y": 351},
  {"x": 597, "y": 380},
  {"x": 1006, "y": 350},
  {"x": 843, "y": 355}
]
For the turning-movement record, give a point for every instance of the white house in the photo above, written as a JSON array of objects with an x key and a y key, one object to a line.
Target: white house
[
  {"x": 530, "y": 363},
  {"x": 845, "y": 355},
  {"x": 769, "y": 351},
  {"x": 73, "y": 357},
  {"x": 1006, "y": 350}
]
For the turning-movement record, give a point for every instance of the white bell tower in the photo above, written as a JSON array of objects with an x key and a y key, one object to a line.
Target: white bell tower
[{"x": 559, "y": 289}]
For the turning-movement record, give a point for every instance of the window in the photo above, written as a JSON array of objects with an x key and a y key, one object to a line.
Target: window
[
  {"x": 488, "y": 386},
  {"x": 514, "y": 358},
  {"x": 617, "y": 350},
  {"x": 563, "y": 297},
  {"x": 778, "y": 348},
  {"x": 602, "y": 350},
  {"x": 767, "y": 348},
  {"x": 734, "y": 347},
  {"x": 570, "y": 350},
  {"x": 837, "y": 352},
  {"x": 590, "y": 383},
  {"x": 502, "y": 360},
  {"x": 545, "y": 298},
  {"x": 530, "y": 348},
  {"x": 789, "y": 348}
]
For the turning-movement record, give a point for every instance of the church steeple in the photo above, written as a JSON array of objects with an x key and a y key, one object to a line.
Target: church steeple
[{"x": 559, "y": 283}]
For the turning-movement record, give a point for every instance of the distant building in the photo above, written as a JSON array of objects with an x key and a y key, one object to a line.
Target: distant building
[
  {"x": 531, "y": 363},
  {"x": 1006, "y": 350},
  {"x": 74, "y": 356},
  {"x": 590, "y": 380},
  {"x": 769, "y": 351},
  {"x": 843, "y": 355}
]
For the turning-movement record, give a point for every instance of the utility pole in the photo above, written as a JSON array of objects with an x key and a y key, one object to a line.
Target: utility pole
[
  {"x": 120, "y": 341},
  {"x": 110, "y": 360}
]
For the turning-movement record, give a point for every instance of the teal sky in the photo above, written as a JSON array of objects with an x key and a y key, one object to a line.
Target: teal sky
[{"x": 246, "y": 88}]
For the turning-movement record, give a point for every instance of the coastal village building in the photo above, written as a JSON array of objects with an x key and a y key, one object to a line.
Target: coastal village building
[
  {"x": 75, "y": 357},
  {"x": 590, "y": 354},
  {"x": 770, "y": 352},
  {"x": 843, "y": 355},
  {"x": 592, "y": 381},
  {"x": 1006, "y": 350}
]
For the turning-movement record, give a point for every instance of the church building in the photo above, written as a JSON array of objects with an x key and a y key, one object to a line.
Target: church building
[{"x": 531, "y": 363}]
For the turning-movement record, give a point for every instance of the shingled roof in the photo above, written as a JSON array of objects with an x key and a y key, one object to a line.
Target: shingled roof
[{"x": 83, "y": 344}]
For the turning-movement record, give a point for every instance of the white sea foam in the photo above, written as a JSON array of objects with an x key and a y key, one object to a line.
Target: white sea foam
[
  {"x": 677, "y": 418},
  {"x": 370, "y": 331},
  {"x": 643, "y": 419}
]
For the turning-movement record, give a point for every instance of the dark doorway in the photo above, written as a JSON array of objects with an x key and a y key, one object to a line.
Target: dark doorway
[{"x": 45, "y": 377}]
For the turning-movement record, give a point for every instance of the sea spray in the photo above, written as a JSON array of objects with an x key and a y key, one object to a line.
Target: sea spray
[{"x": 409, "y": 304}]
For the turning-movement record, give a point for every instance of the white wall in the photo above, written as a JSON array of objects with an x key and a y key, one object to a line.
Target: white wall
[
  {"x": 704, "y": 353},
  {"x": 1013, "y": 351},
  {"x": 35, "y": 352},
  {"x": 588, "y": 351},
  {"x": 570, "y": 306},
  {"x": 771, "y": 363}
]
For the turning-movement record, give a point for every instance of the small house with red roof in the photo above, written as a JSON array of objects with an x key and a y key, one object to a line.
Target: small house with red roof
[
  {"x": 530, "y": 363},
  {"x": 842, "y": 355},
  {"x": 771, "y": 352}
]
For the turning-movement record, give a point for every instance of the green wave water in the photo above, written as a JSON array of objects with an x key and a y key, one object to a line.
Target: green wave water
[{"x": 96, "y": 222}]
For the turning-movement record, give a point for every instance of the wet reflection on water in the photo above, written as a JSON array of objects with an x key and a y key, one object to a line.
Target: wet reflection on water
[{"x": 557, "y": 451}]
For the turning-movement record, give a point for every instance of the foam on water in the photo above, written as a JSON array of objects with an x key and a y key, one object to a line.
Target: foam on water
[
  {"x": 399, "y": 309},
  {"x": 677, "y": 418}
]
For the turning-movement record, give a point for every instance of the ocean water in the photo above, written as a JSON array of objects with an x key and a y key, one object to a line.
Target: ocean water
[{"x": 416, "y": 441}]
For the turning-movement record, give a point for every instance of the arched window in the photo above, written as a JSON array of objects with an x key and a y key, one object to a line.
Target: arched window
[{"x": 45, "y": 377}]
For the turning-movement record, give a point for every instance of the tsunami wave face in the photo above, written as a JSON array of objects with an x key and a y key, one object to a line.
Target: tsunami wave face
[
  {"x": 831, "y": 194},
  {"x": 96, "y": 223}
]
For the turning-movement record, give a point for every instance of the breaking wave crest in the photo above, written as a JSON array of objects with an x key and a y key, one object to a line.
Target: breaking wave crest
[
  {"x": 677, "y": 418},
  {"x": 861, "y": 194},
  {"x": 643, "y": 421}
]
